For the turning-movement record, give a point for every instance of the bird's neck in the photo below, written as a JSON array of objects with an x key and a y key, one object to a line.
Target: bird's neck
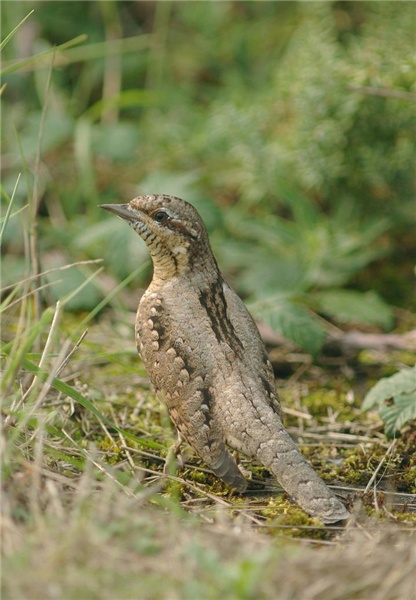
[{"x": 194, "y": 265}]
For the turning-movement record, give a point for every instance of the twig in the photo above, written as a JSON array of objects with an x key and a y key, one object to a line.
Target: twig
[
  {"x": 108, "y": 434},
  {"x": 187, "y": 483},
  {"x": 99, "y": 466},
  {"x": 333, "y": 436},
  {"x": 374, "y": 91},
  {"x": 122, "y": 439},
  {"x": 374, "y": 475},
  {"x": 357, "y": 340},
  {"x": 355, "y": 489},
  {"x": 297, "y": 374},
  {"x": 297, "y": 413},
  {"x": 346, "y": 342},
  {"x": 71, "y": 354}
]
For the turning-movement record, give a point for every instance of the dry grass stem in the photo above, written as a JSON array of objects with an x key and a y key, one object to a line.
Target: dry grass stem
[{"x": 43, "y": 273}]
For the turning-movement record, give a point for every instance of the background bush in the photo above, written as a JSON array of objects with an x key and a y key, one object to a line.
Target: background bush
[{"x": 288, "y": 124}]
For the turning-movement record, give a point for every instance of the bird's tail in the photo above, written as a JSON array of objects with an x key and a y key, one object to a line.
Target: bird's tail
[
  {"x": 227, "y": 469},
  {"x": 299, "y": 480}
]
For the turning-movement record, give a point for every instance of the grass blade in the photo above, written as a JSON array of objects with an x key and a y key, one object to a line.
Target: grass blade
[
  {"x": 33, "y": 59},
  {"x": 66, "y": 389},
  {"x": 13, "y": 31},
  {"x": 111, "y": 295},
  {"x": 15, "y": 213},
  {"x": 9, "y": 209}
]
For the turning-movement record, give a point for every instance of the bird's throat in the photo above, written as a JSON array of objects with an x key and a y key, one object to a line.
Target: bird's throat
[{"x": 197, "y": 267}]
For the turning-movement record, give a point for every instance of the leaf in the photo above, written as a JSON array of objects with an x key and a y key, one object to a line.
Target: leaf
[
  {"x": 403, "y": 382},
  {"x": 124, "y": 99},
  {"x": 402, "y": 411},
  {"x": 294, "y": 322},
  {"x": 349, "y": 306},
  {"x": 116, "y": 142},
  {"x": 305, "y": 211},
  {"x": 265, "y": 275},
  {"x": 57, "y": 131}
]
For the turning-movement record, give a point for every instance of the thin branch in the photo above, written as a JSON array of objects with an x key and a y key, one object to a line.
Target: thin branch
[
  {"x": 385, "y": 92},
  {"x": 374, "y": 475},
  {"x": 71, "y": 354}
]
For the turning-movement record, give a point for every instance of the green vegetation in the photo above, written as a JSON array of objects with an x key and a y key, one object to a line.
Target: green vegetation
[
  {"x": 289, "y": 126},
  {"x": 396, "y": 396}
]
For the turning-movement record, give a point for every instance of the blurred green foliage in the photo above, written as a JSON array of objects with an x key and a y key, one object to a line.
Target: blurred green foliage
[
  {"x": 395, "y": 398},
  {"x": 289, "y": 125}
]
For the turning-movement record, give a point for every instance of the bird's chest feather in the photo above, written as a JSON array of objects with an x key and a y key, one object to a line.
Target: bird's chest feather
[{"x": 167, "y": 344}]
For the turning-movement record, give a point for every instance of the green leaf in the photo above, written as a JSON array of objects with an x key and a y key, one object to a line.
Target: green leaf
[
  {"x": 402, "y": 411},
  {"x": 349, "y": 306},
  {"x": 116, "y": 141},
  {"x": 294, "y": 322},
  {"x": 403, "y": 382},
  {"x": 57, "y": 131},
  {"x": 124, "y": 99}
]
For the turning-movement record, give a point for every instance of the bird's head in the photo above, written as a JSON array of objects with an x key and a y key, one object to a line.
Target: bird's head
[{"x": 173, "y": 231}]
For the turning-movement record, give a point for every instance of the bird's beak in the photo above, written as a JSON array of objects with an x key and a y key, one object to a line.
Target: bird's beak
[{"x": 121, "y": 210}]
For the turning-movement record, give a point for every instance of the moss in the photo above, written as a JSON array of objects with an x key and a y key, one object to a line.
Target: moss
[
  {"x": 198, "y": 476},
  {"x": 259, "y": 471},
  {"x": 324, "y": 401},
  {"x": 114, "y": 453},
  {"x": 386, "y": 364},
  {"x": 281, "y": 513},
  {"x": 405, "y": 481},
  {"x": 405, "y": 517},
  {"x": 355, "y": 466}
]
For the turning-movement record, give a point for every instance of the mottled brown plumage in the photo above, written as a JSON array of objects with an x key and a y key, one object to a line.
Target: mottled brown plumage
[{"x": 206, "y": 360}]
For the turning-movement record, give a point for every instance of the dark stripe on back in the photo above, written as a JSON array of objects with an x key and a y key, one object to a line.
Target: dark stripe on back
[
  {"x": 269, "y": 390},
  {"x": 215, "y": 305}
]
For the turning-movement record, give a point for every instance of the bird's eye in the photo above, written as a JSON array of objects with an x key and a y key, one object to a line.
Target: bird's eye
[{"x": 160, "y": 216}]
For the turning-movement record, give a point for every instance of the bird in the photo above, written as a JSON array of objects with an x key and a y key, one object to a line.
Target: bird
[{"x": 206, "y": 360}]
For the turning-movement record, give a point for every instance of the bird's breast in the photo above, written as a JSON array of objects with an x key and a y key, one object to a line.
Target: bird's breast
[{"x": 184, "y": 335}]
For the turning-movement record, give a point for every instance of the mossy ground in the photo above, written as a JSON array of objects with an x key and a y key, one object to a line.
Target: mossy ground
[{"x": 343, "y": 443}]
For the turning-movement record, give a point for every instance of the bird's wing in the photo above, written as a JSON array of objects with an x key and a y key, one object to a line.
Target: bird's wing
[
  {"x": 193, "y": 416},
  {"x": 249, "y": 335},
  {"x": 181, "y": 374}
]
